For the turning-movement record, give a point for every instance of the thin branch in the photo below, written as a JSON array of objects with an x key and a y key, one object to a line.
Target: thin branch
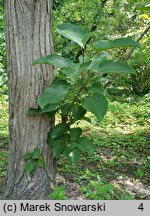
[
  {"x": 93, "y": 27},
  {"x": 138, "y": 39}
]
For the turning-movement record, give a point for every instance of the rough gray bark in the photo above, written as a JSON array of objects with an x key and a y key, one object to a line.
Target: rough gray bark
[{"x": 28, "y": 37}]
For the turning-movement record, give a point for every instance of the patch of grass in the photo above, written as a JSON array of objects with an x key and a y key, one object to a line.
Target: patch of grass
[
  {"x": 3, "y": 163},
  {"x": 122, "y": 147},
  {"x": 3, "y": 122},
  {"x": 58, "y": 193},
  {"x": 99, "y": 190}
]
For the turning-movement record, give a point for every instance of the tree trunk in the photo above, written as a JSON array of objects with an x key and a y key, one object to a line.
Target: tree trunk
[{"x": 28, "y": 37}]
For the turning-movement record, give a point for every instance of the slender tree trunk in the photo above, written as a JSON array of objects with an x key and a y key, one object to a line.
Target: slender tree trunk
[{"x": 28, "y": 37}]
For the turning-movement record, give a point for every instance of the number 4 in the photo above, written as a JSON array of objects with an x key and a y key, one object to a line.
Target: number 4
[{"x": 141, "y": 207}]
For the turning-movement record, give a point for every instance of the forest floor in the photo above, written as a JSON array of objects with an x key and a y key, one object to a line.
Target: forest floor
[{"x": 120, "y": 165}]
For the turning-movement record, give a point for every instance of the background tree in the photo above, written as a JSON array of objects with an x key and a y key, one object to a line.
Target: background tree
[
  {"x": 111, "y": 19},
  {"x": 28, "y": 36},
  {"x": 3, "y": 75}
]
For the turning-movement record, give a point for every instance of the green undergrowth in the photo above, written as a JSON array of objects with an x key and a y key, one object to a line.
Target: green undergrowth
[
  {"x": 122, "y": 143},
  {"x": 3, "y": 138},
  {"x": 3, "y": 121},
  {"x": 122, "y": 151}
]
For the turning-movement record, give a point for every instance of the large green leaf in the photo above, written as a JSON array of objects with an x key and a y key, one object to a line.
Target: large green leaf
[
  {"x": 34, "y": 111},
  {"x": 74, "y": 156},
  {"x": 96, "y": 104},
  {"x": 75, "y": 133},
  {"x": 114, "y": 67},
  {"x": 56, "y": 133},
  {"x": 58, "y": 147},
  {"x": 58, "y": 130},
  {"x": 50, "y": 107},
  {"x": 84, "y": 65},
  {"x": 53, "y": 94},
  {"x": 78, "y": 112},
  {"x": 72, "y": 73},
  {"x": 65, "y": 109},
  {"x": 97, "y": 88},
  {"x": 74, "y": 33},
  {"x": 97, "y": 60},
  {"x": 55, "y": 60},
  {"x": 117, "y": 43},
  {"x": 85, "y": 145}
]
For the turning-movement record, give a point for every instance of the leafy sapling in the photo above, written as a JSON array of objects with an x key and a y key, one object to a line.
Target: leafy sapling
[
  {"x": 77, "y": 89},
  {"x": 33, "y": 160}
]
